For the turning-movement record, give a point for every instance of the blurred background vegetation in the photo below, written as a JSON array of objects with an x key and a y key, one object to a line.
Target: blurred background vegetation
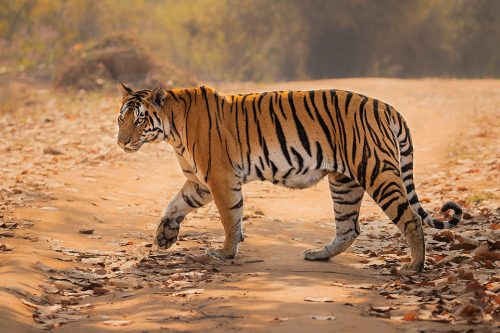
[{"x": 257, "y": 40}]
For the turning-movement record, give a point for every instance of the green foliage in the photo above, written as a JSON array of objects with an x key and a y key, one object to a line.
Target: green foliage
[{"x": 266, "y": 40}]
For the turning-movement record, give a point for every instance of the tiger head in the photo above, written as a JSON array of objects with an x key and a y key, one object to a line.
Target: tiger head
[{"x": 140, "y": 119}]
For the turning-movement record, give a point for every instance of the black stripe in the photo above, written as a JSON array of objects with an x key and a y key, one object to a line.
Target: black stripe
[
  {"x": 257, "y": 123},
  {"x": 282, "y": 140},
  {"x": 173, "y": 95},
  {"x": 408, "y": 177},
  {"x": 285, "y": 176},
  {"x": 388, "y": 203},
  {"x": 300, "y": 160},
  {"x": 247, "y": 132},
  {"x": 414, "y": 200},
  {"x": 204, "y": 95},
  {"x": 328, "y": 113},
  {"x": 319, "y": 155},
  {"x": 407, "y": 167},
  {"x": 333, "y": 190},
  {"x": 376, "y": 169},
  {"x": 308, "y": 110},
  {"x": 238, "y": 131},
  {"x": 321, "y": 122},
  {"x": 343, "y": 180},
  {"x": 361, "y": 174},
  {"x": 401, "y": 210},
  {"x": 274, "y": 169},
  {"x": 280, "y": 106},
  {"x": 437, "y": 224},
  {"x": 348, "y": 202},
  {"x": 300, "y": 128},
  {"x": 238, "y": 205},
  {"x": 266, "y": 151},
  {"x": 410, "y": 188},
  {"x": 259, "y": 173},
  {"x": 190, "y": 201},
  {"x": 345, "y": 216}
]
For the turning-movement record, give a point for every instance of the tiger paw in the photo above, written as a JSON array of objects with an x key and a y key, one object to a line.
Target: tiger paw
[
  {"x": 219, "y": 253},
  {"x": 167, "y": 232},
  {"x": 316, "y": 254},
  {"x": 411, "y": 269}
]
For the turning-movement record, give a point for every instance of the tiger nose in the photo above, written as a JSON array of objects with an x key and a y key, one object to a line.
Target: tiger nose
[{"x": 123, "y": 144}]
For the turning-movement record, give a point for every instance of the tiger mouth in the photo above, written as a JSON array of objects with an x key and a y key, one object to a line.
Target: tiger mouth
[{"x": 131, "y": 149}]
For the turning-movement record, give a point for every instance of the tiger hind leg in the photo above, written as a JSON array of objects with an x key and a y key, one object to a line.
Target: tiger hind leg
[
  {"x": 390, "y": 195},
  {"x": 347, "y": 196}
]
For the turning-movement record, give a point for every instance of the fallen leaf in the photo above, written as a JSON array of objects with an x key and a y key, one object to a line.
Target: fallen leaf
[
  {"x": 99, "y": 291},
  {"x": 320, "y": 317},
  {"x": 493, "y": 256},
  {"x": 93, "y": 261},
  {"x": 41, "y": 266},
  {"x": 29, "y": 304},
  {"x": 202, "y": 259},
  {"x": 97, "y": 219},
  {"x": 467, "y": 216},
  {"x": 49, "y": 208},
  {"x": 444, "y": 236},
  {"x": 483, "y": 248},
  {"x": 252, "y": 261},
  {"x": 382, "y": 309},
  {"x": 4, "y": 247},
  {"x": 117, "y": 322},
  {"x": 468, "y": 310},
  {"x": 318, "y": 299},
  {"x": 465, "y": 243},
  {"x": 188, "y": 292},
  {"x": 411, "y": 316},
  {"x": 51, "y": 151}
]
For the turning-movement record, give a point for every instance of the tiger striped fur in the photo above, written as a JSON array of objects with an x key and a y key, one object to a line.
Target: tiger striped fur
[{"x": 290, "y": 138}]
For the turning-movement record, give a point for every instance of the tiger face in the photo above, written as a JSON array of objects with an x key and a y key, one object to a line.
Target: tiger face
[{"x": 139, "y": 121}]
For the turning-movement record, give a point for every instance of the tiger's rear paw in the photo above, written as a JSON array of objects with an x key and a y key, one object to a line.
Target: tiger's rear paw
[
  {"x": 316, "y": 254},
  {"x": 410, "y": 269},
  {"x": 219, "y": 253},
  {"x": 167, "y": 231}
]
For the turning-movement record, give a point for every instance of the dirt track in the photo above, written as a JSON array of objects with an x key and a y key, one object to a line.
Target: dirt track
[{"x": 93, "y": 185}]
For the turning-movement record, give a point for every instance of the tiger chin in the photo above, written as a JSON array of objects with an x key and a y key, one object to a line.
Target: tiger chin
[{"x": 289, "y": 138}]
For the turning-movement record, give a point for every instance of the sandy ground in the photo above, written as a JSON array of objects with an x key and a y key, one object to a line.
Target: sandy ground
[{"x": 121, "y": 197}]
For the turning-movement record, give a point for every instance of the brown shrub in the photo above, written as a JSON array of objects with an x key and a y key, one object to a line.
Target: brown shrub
[{"x": 117, "y": 58}]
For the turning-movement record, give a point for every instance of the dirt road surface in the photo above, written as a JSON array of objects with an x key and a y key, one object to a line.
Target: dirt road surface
[{"x": 78, "y": 217}]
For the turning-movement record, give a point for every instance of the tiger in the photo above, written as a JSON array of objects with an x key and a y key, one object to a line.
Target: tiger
[{"x": 290, "y": 138}]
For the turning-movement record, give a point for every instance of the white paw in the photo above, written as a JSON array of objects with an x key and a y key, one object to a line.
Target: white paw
[
  {"x": 218, "y": 253},
  {"x": 316, "y": 254},
  {"x": 411, "y": 269}
]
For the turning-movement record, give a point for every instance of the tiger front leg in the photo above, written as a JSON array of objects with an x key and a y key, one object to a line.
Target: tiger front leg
[
  {"x": 191, "y": 196},
  {"x": 229, "y": 202}
]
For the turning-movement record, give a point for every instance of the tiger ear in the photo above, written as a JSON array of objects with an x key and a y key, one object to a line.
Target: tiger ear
[
  {"x": 124, "y": 89},
  {"x": 158, "y": 96}
]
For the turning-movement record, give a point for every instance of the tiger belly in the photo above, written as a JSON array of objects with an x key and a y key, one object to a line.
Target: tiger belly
[
  {"x": 303, "y": 180},
  {"x": 291, "y": 178}
]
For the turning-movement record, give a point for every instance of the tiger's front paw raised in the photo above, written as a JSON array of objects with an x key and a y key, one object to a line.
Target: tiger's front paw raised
[
  {"x": 168, "y": 229},
  {"x": 219, "y": 253}
]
